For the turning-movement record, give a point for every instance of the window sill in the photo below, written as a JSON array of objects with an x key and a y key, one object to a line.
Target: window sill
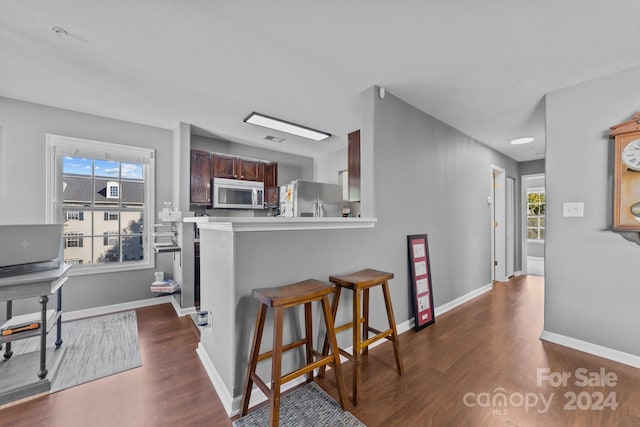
[
  {"x": 81, "y": 270},
  {"x": 535, "y": 241}
]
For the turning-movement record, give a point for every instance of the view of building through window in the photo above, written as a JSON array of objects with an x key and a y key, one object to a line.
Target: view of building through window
[
  {"x": 103, "y": 204},
  {"x": 535, "y": 214}
]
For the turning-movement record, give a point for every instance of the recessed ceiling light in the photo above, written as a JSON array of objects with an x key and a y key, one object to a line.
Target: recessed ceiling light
[
  {"x": 523, "y": 140},
  {"x": 281, "y": 125}
]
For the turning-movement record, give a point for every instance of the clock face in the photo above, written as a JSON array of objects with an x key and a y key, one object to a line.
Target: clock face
[{"x": 631, "y": 155}]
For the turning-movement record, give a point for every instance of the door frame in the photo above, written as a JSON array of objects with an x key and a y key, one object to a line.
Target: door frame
[
  {"x": 523, "y": 216},
  {"x": 511, "y": 226},
  {"x": 498, "y": 216}
]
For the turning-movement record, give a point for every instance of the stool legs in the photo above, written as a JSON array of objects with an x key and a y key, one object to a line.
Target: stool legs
[
  {"x": 253, "y": 359},
  {"x": 325, "y": 346},
  {"x": 273, "y": 392},
  {"x": 276, "y": 367},
  {"x": 360, "y": 334},
  {"x": 331, "y": 334},
  {"x": 365, "y": 319},
  {"x": 308, "y": 333},
  {"x": 392, "y": 325}
]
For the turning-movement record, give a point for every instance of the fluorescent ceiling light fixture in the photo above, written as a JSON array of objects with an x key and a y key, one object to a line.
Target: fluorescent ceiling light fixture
[
  {"x": 523, "y": 140},
  {"x": 281, "y": 125}
]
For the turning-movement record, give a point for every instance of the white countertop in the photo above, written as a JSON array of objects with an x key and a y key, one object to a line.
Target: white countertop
[{"x": 276, "y": 223}]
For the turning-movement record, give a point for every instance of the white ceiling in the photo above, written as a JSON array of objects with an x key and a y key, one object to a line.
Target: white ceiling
[{"x": 481, "y": 66}]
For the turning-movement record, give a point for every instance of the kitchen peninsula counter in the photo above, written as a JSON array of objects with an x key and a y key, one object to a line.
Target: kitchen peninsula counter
[
  {"x": 239, "y": 254},
  {"x": 276, "y": 223}
]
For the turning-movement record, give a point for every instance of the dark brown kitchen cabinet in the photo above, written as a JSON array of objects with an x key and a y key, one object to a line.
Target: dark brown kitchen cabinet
[
  {"x": 206, "y": 166},
  {"x": 353, "y": 163},
  {"x": 226, "y": 166},
  {"x": 271, "y": 184},
  {"x": 251, "y": 170},
  {"x": 200, "y": 177},
  {"x": 237, "y": 168}
]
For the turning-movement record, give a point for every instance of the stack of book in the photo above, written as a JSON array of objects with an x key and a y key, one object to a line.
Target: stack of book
[{"x": 165, "y": 286}]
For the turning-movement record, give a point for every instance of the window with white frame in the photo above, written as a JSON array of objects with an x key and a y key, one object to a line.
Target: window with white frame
[
  {"x": 113, "y": 190},
  {"x": 103, "y": 193},
  {"x": 536, "y": 207},
  {"x": 73, "y": 240},
  {"x": 73, "y": 216}
]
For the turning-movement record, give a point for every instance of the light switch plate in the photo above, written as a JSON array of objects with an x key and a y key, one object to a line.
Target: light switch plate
[{"x": 573, "y": 209}]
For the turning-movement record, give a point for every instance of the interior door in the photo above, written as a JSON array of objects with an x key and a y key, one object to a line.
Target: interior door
[{"x": 499, "y": 224}]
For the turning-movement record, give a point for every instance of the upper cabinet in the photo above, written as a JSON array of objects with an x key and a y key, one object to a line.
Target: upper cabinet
[
  {"x": 205, "y": 166},
  {"x": 237, "y": 168},
  {"x": 200, "y": 177},
  {"x": 353, "y": 163},
  {"x": 226, "y": 166},
  {"x": 251, "y": 170},
  {"x": 271, "y": 184}
]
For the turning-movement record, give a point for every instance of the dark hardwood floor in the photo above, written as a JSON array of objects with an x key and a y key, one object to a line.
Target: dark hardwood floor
[
  {"x": 455, "y": 370},
  {"x": 171, "y": 388}
]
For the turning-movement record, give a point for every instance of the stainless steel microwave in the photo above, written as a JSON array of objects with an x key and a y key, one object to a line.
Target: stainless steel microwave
[{"x": 237, "y": 194}]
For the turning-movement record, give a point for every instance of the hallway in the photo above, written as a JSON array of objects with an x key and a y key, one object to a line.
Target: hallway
[{"x": 457, "y": 370}]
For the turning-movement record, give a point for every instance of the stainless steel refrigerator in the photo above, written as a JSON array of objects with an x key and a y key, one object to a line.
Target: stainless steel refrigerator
[{"x": 316, "y": 199}]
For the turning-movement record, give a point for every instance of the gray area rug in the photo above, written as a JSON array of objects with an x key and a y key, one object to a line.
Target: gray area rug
[
  {"x": 307, "y": 406},
  {"x": 96, "y": 347}
]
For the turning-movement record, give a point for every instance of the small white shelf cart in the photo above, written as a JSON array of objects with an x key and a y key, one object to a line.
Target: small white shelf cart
[{"x": 16, "y": 378}]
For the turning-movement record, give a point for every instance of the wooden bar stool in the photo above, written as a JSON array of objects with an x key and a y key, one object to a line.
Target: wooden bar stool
[
  {"x": 304, "y": 292},
  {"x": 360, "y": 283}
]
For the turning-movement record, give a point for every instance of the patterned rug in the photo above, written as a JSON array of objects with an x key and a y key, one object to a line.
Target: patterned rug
[
  {"x": 308, "y": 406},
  {"x": 96, "y": 347}
]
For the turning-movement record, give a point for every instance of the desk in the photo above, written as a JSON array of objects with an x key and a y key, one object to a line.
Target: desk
[{"x": 41, "y": 284}]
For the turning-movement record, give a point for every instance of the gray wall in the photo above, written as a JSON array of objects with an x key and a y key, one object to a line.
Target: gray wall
[
  {"x": 431, "y": 178},
  {"x": 22, "y": 187},
  {"x": 183, "y": 265},
  {"x": 531, "y": 167},
  {"x": 327, "y": 167},
  {"x": 591, "y": 280}
]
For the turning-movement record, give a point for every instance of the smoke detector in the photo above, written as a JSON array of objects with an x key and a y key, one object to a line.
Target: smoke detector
[{"x": 58, "y": 31}]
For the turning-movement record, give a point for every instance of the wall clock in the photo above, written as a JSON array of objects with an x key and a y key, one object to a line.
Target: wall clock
[{"x": 626, "y": 175}]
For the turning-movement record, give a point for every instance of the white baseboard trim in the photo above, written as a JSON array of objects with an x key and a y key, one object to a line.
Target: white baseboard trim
[
  {"x": 182, "y": 311},
  {"x": 464, "y": 298},
  {"x": 518, "y": 273},
  {"x": 131, "y": 305},
  {"x": 596, "y": 350},
  {"x": 114, "y": 308},
  {"x": 216, "y": 380},
  {"x": 232, "y": 405}
]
